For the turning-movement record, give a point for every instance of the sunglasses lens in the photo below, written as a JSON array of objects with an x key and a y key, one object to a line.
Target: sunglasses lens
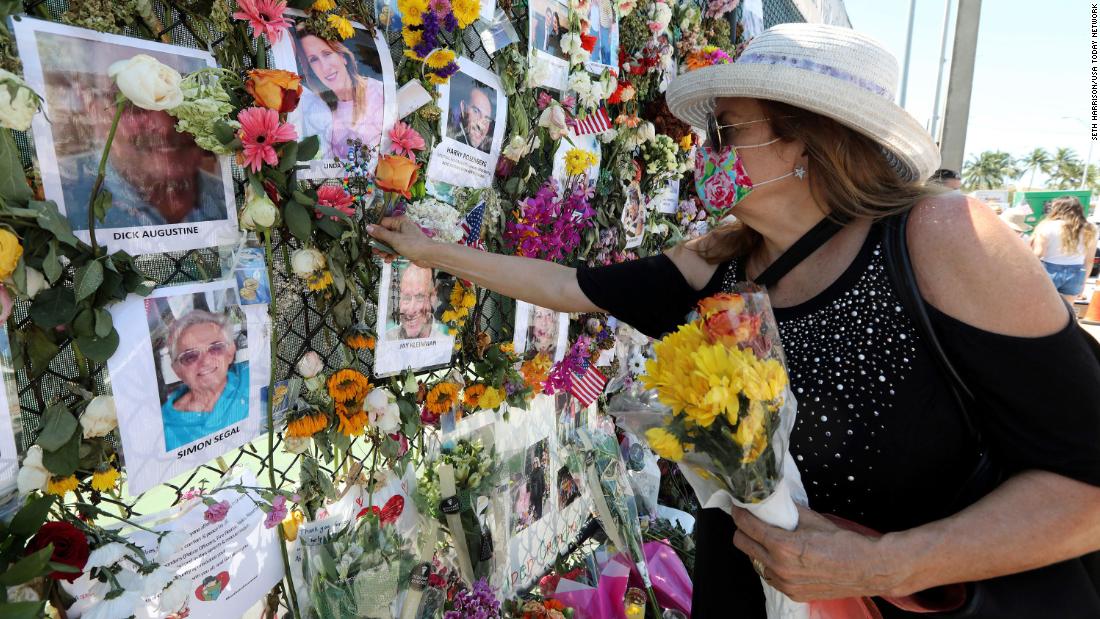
[
  {"x": 189, "y": 358},
  {"x": 217, "y": 348}
]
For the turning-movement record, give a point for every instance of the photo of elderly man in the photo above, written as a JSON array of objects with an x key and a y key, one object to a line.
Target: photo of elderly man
[
  {"x": 413, "y": 301},
  {"x": 213, "y": 386},
  {"x": 472, "y": 113}
]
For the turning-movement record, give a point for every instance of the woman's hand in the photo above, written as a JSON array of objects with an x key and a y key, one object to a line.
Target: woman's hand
[
  {"x": 816, "y": 561},
  {"x": 404, "y": 236}
]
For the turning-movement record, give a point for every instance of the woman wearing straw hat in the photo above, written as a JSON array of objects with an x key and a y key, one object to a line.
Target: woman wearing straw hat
[{"x": 949, "y": 410}]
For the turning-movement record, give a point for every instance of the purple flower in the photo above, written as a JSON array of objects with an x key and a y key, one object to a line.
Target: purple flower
[
  {"x": 216, "y": 512},
  {"x": 477, "y": 603},
  {"x": 277, "y": 513}
]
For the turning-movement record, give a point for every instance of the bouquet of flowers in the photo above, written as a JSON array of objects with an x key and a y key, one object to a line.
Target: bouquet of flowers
[{"x": 715, "y": 398}]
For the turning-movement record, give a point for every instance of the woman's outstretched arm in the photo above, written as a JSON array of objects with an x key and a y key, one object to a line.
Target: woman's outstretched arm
[{"x": 539, "y": 282}]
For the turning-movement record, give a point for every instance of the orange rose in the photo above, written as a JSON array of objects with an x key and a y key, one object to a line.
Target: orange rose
[
  {"x": 274, "y": 89},
  {"x": 722, "y": 302},
  {"x": 396, "y": 174}
]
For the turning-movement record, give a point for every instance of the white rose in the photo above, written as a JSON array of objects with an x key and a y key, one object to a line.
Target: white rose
[
  {"x": 538, "y": 74},
  {"x": 295, "y": 444},
  {"x": 553, "y": 119},
  {"x": 23, "y": 593},
  {"x": 381, "y": 412},
  {"x": 147, "y": 83},
  {"x": 99, "y": 417},
  {"x": 310, "y": 364},
  {"x": 16, "y": 113},
  {"x": 572, "y": 46},
  {"x": 305, "y": 262},
  {"x": 259, "y": 211},
  {"x": 36, "y": 282},
  {"x": 175, "y": 596},
  {"x": 32, "y": 475},
  {"x": 516, "y": 148}
]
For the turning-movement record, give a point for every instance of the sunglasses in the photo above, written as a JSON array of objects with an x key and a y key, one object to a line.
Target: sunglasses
[
  {"x": 191, "y": 356},
  {"x": 714, "y": 130}
]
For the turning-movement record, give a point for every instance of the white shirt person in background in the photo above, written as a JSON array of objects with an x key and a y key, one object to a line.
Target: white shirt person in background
[{"x": 338, "y": 104}]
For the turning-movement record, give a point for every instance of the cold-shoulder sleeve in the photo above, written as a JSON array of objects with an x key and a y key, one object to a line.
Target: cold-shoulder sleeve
[
  {"x": 1039, "y": 397},
  {"x": 649, "y": 294}
]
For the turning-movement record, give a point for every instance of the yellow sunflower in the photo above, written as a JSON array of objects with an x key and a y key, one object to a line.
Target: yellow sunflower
[
  {"x": 359, "y": 341},
  {"x": 348, "y": 385},
  {"x": 341, "y": 25},
  {"x": 465, "y": 11},
  {"x": 353, "y": 422},
  {"x": 472, "y": 394},
  {"x": 61, "y": 485},
  {"x": 104, "y": 481},
  {"x": 307, "y": 425},
  {"x": 441, "y": 398},
  {"x": 319, "y": 280}
]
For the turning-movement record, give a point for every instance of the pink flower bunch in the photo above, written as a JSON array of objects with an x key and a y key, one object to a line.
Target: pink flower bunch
[
  {"x": 573, "y": 364},
  {"x": 278, "y": 511},
  {"x": 335, "y": 197},
  {"x": 404, "y": 140},
  {"x": 549, "y": 227},
  {"x": 260, "y": 132}
]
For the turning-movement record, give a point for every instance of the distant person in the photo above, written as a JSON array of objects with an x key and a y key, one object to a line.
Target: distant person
[
  {"x": 947, "y": 178},
  {"x": 1065, "y": 242}
]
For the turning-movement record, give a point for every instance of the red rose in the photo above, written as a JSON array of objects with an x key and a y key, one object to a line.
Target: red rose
[
  {"x": 588, "y": 42},
  {"x": 69, "y": 547}
]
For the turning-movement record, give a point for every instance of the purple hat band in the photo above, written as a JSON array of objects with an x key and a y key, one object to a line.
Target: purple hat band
[{"x": 817, "y": 67}]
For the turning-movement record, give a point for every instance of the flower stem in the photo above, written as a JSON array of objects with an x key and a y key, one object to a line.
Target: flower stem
[
  {"x": 291, "y": 593},
  {"x": 102, "y": 173}
]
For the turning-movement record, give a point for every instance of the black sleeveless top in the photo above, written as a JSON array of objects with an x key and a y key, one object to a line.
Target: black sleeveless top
[{"x": 878, "y": 438}]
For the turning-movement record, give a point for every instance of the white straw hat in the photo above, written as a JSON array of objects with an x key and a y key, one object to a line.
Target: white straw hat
[{"x": 833, "y": 71}]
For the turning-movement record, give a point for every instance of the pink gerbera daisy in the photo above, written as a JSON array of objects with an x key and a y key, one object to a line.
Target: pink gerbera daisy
[
  {"x": 335, "y": 197},
  {"x": 260, "y": 132},
  {"x": 405, "y": 140},
  {"x": 265, "y": 17}
]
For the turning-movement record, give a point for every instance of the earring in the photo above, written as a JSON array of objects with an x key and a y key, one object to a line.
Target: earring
[{"x": 799, "y": 172}]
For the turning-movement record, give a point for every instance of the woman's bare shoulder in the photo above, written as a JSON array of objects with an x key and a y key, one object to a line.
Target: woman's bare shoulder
[{"x": 972, "y": 267}]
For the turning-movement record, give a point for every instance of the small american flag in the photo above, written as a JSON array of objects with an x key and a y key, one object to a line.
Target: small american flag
[
  {"x": 588, "y": 386},
  {"x": 594, "y": 123},
  {"x": 471, "y": 227}
]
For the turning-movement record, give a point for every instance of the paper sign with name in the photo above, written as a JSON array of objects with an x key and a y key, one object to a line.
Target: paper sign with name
[
  {"x": 410, "y": 336},
  {"x": 668, "y": 199},
  {"x": 232, "y": 564}
]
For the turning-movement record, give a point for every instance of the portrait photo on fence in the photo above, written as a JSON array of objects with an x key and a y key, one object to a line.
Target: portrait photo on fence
[
  {"x": 634, "y": 215},
  {"x": 188, "y": 377},
  {"x": 475, "y": 111},
  {"x": 548, "y": 20},
  {"x": 349, "y": 96},
  {"x": 166, "y": 192},
  {"x": 411, "y": 299},
  {"x": 540, "y": 331},
  {"x": 11, "y": 427},
  {"x": 602, "y": 25}
]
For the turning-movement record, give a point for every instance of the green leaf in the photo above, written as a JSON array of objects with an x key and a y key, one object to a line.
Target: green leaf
[
  {"x": 103, "y": 322},
  {"x": 342, "y": 312},
  {"x": 298, "y": 220},
  {"x": 63, "y": 462},
  {"x": 88, "y": 279},
  {"x": 99, "y": 349},
  {"x": 53, "y": 307},
  {"x": 54, "y": 222},
  {"x": 40, "y": 348},
  {"x": 307, "y": 148},
  {"x": 58, "y": 425},
  {"x": 31, "y": 517},
  {"x": 22, "y": 610},
  {"x": 84, "y": 323},
  {"x": 51, "y": 264},
  {"x": 303, "y": 198},
  {"x": 30, "y": 566},
  {"x": 224, "y": 132},
  {"x": 289, "y": 157},
  {"x": 102, "y": 204},
  {"x": 13, "y": 181}
]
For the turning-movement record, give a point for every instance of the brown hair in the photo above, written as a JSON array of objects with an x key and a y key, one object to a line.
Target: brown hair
[
  {"x": 358, "y": 82},
  {"x": 851, "y": 176},
  {"x": 1069, "y": 211}
]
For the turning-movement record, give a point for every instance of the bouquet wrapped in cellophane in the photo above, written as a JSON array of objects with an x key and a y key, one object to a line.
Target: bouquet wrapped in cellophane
[{"x": 715, "y": 398}]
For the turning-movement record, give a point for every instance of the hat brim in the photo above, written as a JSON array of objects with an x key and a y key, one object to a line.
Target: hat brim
[{"x": 691, "y": 98}]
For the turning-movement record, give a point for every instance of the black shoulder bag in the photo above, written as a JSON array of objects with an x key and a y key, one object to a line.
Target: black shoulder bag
[{"x": 1067, "y": 590}]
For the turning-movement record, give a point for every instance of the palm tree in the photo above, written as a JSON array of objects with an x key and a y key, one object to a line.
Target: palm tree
[
  {"x": 1065, "y": 169},
  {"x": 1037, "y": 160},
  {"x": 988, "y": 170}
]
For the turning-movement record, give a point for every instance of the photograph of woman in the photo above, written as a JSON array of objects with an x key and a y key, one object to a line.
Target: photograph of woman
[{"x": 343, "y": 95}]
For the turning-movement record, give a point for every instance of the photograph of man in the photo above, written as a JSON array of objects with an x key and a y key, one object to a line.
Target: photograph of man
[
  {"x": 214, "y": 391},
  {"x": 154, "y": 174},
  {"x": 472, "y": 114},
  {"x": 413, "y": 301},
  {"x": 542, "y": 331},
  {"x": 550, "y": 22},
  {"x": 342, "y": 94}
]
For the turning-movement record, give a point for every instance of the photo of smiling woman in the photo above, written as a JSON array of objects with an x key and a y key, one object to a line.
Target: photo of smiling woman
[
  {"x": 343, "y": 95},
  {"x": 204, "y": 386}
]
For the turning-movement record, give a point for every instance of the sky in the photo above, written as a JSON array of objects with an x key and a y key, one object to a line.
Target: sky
[{"x": 1031, "y": 75}]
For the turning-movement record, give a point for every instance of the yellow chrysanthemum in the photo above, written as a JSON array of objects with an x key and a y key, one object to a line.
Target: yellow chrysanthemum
[
  {"x": 685, "y": 142},
  {"x": 508, "y": 348},
  {"x": 440, "y": 58},
  {"x": 411, "y": 37},
  {"x": 764, "y": 379},
  {"x": 412, "y": 11},
  {"x": 319, "y": 281},
  {"x": 323, "y": 5},
  {"x": 577, "y": 160},
  {"x": 436, "y": 80},
  {"x": 665, "y": 444},
  {"x": 61, "y": 485},
  {"x": 341, "y": 25},
  {"x": 413, "y": 55},
  {"x": 104, "y": 481},
  {"x": 491, "y": 399},
  {"x": 465, "y": 11},
  {"x": 672, "y": 372}
]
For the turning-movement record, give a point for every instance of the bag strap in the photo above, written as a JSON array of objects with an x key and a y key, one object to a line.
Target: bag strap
[
  {"x": 806, "y": 244},
  {"x": 900, "y": 266}
]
